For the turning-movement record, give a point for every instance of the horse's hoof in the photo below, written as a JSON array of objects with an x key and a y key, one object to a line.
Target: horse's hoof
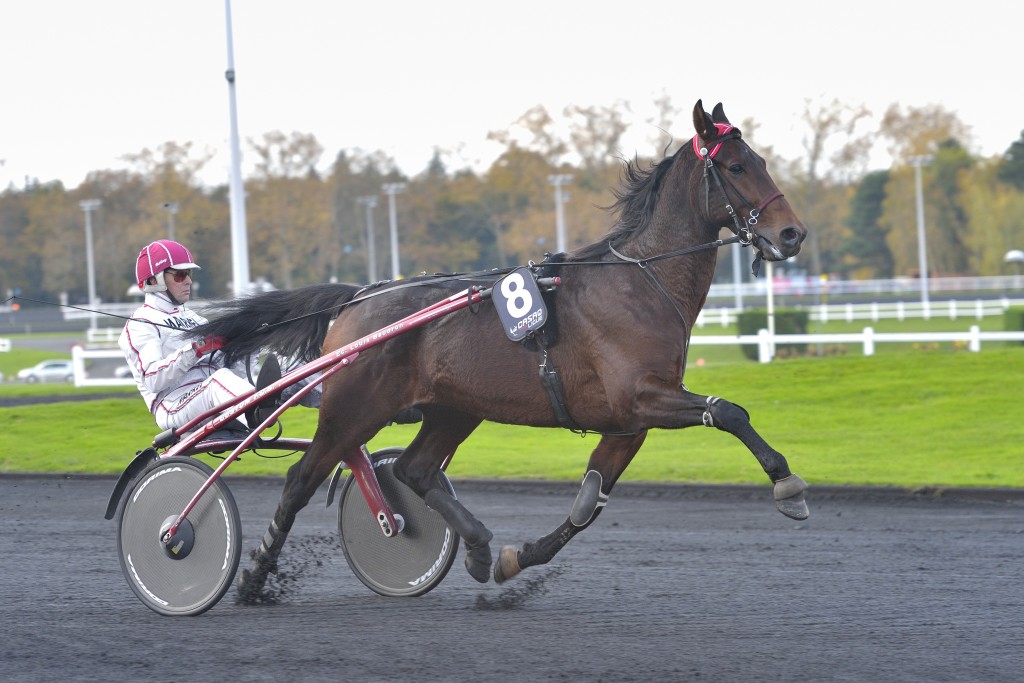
[
  {"x": 508, "y": 564},
  {"x": 789, "y": 497},
  {"x": 478, "y": 562},
  {"x": 249, "y": 585}
]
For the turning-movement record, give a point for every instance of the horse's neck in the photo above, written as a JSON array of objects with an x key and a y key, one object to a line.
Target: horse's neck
[{"x": 687, "y": 278}]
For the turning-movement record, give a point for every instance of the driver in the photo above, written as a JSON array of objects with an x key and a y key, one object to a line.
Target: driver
[{"x": 179, "y": 380}]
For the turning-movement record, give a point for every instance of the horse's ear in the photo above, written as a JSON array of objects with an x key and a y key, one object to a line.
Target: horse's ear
[
  {"x": 718, "y": 114},
  {"x": 703, "y": 124}
]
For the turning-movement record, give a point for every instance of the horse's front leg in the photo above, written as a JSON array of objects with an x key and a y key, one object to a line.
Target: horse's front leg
[
  {"x": 607, "y": 463},
  {"x": 304, "y": 477},
  {"x": 721, "y": 414}
]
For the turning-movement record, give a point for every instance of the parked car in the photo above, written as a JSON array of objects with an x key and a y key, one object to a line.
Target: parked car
[
  {"x": 48, "y": 371},
  {"x": 123, "y": 372}
]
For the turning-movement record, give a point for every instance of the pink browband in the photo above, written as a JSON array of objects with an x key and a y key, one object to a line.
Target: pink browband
[{"x": 698, "y": 145}]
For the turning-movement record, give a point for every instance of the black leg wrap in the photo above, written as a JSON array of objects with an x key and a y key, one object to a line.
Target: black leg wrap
[
  {"x": 264, "y": 557},
  {"x": 724, "y": 415},
  {"x": 477, "y": 537},
  {"x": 729, "y": 417}
]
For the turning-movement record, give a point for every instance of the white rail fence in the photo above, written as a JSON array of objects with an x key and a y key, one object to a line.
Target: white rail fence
[
  {"x": 80, "y": 355},
  {"x": 103, "y": 335},
  {"x": 899, "y": 310},
  {"x": 900, "y": 286},
  {"x": 767, "y": 342}
]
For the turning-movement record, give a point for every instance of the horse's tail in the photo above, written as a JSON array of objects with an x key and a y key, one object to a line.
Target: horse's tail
[{"x": 290, "y": 322}]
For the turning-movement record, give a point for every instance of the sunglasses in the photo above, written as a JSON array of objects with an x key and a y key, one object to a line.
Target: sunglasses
[{"x": 179, "y": 275}]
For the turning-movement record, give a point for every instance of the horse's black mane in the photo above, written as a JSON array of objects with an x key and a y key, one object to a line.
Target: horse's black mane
[{"x": 634, "y": 204}]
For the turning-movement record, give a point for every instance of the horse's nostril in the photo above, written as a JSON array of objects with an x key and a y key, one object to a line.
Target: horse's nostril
[{"x": 792, "y": 236}]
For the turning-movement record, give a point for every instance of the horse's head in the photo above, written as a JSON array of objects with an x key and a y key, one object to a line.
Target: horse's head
[{"x": 738, "y": 191}]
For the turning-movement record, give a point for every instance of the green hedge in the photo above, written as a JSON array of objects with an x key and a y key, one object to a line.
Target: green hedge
[
  {"x": 787, "y": 321},
  {"x": 1013, "y": 321}
]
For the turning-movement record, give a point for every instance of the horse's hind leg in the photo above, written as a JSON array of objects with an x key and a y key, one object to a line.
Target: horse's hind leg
[
  {"x": 442, "y": 431},
  {"x": 607, "y": 463},
  {"x": 304, "y": 477}
]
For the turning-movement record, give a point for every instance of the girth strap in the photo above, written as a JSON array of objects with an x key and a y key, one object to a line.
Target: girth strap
[{"x": 552, "y": 384}]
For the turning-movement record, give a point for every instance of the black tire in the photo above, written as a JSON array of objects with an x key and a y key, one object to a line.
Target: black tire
[
  {"x": 412, "y": 562},
  {"x": 196, "y": 580}
]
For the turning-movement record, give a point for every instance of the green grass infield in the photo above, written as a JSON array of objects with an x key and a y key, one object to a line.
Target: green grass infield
[{"x": 916, "y": 418}]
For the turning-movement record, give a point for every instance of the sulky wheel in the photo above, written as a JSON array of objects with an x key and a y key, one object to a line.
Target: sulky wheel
[
  {"x": 415, "y": 560},
  {"x": 189, "y": 575}
]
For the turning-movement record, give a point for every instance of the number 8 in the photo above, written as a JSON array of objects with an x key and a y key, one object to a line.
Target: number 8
[{"x": 515, "y": 293}]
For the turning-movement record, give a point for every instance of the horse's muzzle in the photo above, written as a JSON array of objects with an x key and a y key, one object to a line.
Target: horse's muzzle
[{"x": 789, "y": 241}]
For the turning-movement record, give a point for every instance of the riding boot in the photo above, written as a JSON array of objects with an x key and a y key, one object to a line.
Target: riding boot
[{"x": 270, "y": 372}]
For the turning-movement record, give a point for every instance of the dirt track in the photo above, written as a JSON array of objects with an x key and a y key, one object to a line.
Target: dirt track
[{"x": 671, "y": 583}]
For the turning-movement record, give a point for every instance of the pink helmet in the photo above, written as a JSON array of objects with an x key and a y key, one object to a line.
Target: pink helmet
[{"x": 157, "y": 257}]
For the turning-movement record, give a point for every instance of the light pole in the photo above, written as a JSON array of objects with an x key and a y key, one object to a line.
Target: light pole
[
  {"x": 1016, "y": 257},
  {"x": 370, "y": 202},
  {"x": 172, "y": 211},
  {"x": 922, "y": 252},
  {"x": 239, "y": 234},
  {"x": 737, "y": 276},
  {"x": 558, "y": 181},
  {"x": 391, "y": 189},
  {"x": 88, "y": 206}
]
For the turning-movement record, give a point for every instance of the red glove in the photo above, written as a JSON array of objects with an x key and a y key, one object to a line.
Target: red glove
[{"x": 208, "y": 345}]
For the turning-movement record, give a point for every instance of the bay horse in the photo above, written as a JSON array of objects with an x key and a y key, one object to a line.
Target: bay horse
[{"x": 617, "y": 339}]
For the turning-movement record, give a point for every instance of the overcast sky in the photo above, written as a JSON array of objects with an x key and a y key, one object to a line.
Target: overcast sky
[{"x": 84, "y": 82}]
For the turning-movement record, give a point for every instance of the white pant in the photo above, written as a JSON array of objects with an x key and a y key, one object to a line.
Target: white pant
[{"x": 182, "y": 405}]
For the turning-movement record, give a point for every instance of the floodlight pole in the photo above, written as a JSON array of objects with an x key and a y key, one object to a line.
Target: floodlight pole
[
  {"x": 88, "y": 206},
  {"x": 922, "y": 252},
  {"x": 390, "y": 189},
  {"x": 737, "y": 276},
  {"x": 239, "y": 236},
  {"x": 370, "y": 202},
  {"x": 559, "y": 181},
  {"x": 172, "y": 210}
]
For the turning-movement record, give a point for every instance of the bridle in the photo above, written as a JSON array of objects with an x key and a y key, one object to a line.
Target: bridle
[{"x": 742, "y": 228}]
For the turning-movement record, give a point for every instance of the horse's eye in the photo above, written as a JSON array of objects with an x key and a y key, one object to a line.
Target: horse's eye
[{"x": 735, "y": 169}]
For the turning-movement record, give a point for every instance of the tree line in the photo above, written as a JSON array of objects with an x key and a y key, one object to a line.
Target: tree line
[{"x": 306, "y": 225}]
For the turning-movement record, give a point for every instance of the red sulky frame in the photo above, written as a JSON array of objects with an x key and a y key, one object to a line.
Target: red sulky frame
[{"x": 358, "y": 462}]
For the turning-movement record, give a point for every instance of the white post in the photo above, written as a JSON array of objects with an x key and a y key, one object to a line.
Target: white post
[
  {"x": 239, "y": 234},
  {"x": 737, "y": 276},
  {"x": 869, "y": 341},
  {"x": 764, "y": 346},
  {"x": 78, "y": 365},
  {"x": 922, "y": 252},
  {"x": 390, "y": 189},
  {"x": 172, "y": 210},
  {"x": 88, "y": 206},
  {"x": 770, "y": 271},
  {"x": 974, "y": 343},
  {"x": 370, "y": 202},
  {"x": 558, "y": 181}
]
